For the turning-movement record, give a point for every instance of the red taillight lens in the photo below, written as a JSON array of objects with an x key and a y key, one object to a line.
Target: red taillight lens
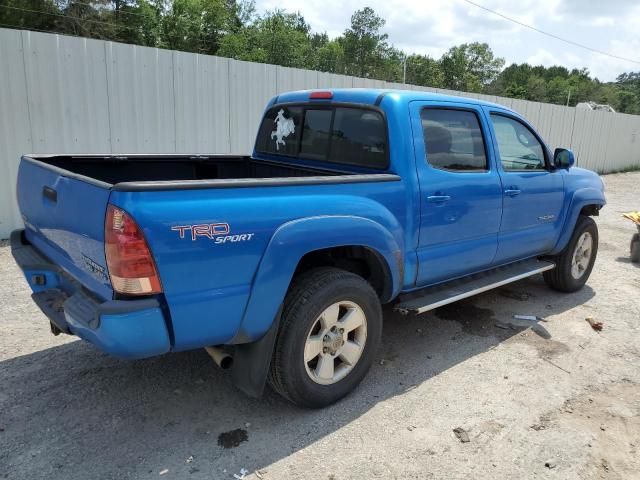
[{"x": 131, "y": 266}]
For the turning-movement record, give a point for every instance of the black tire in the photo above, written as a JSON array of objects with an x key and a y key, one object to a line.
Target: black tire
[
  {"x": 635, "y": 248},
  {"x": 560, "y": 278},
  {"x": 309, "y": 295}
]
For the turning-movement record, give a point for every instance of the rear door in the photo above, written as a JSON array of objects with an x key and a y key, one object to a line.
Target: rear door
[
  {"x": 533, "y": 192},
  {"x": 460, "y": 190},
  {"x": 64, "y": 219}
]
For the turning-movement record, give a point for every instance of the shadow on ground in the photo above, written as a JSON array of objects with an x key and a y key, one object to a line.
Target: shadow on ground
[
  {"x": 92, "y": 416},
  {"x": 628, "y": 261}
]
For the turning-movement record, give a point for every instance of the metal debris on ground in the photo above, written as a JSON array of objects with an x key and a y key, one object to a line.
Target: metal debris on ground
[
  {"x": 531, "y": 318},
  {"x": 462, "y": 434},
  {"x": 243, "y": 473},
  {"x": 162, "y": 472},
  {"x": 550, "y": 464},
  {"x": 597, "y": 326},
  {"x": 190, "y": 459},
  {"x": 258, "y": 473},
  {"x": 504, "y": 326},
  {"x": 556, "y": 365}
]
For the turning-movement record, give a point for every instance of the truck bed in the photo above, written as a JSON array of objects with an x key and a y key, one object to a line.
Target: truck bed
[
  {"x": 63, "y": 198},
  {"x": 114, "y": 169}
]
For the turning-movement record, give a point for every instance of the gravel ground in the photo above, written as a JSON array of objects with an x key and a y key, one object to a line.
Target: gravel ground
[{"x": 550, "y": 400}]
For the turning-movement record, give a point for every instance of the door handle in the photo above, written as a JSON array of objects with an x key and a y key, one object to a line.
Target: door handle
[
  {"x": 438, "y": 198},
  {"x": 512, "y": 192}
]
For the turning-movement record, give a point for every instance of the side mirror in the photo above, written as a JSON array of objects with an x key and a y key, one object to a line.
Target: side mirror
[{"x": 563, "y": 158}]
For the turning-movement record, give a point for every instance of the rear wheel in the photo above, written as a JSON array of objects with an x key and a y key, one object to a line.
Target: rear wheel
[
  {"x": 329, "y": 333},
  {"x": 575, "y": 262}
]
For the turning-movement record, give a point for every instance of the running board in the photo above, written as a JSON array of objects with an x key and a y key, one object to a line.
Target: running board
[{"x": 439, "y": 295}]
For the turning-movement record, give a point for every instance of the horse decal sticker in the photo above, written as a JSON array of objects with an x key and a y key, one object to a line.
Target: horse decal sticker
[{"x": 284, "y": 128}]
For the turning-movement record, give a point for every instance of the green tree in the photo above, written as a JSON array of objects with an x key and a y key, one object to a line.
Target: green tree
[
  {"x": 329, "y": 57},
  {"x": 470, "y": 67},
  {"x": 512, "y": 79},
  {"x": 536, "y": 88},
  {"x": 277, "y": 37},
  {"x": 142, "y": 20},
  {"x": 628, "y": 88},
  {"x": 424, "y": 70},
  {"x": 197, "y": 25},
  {"x": 364, "y": 43},
  {"x": 515, "y": 90},
  {"x": 31, "y": 14}
]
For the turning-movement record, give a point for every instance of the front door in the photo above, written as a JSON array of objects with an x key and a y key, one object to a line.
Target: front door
[
  {"x": 533, "y": 192},
  {"x": 460, "y": 190}
]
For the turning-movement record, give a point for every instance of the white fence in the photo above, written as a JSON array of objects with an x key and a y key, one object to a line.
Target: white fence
[{"x": 62, "y": 94}]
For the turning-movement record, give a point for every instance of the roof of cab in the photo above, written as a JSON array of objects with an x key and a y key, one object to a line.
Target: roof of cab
[{"x": 371, "y": 95}]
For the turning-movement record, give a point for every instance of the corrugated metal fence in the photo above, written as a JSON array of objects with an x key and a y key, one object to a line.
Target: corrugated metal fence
[{"x": 62, "y": 94}]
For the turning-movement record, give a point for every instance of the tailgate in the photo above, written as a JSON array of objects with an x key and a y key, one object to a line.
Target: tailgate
[{"x": 64, "y": 219}]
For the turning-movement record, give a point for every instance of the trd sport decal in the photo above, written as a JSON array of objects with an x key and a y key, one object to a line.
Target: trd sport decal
[{"x": 219, "y": 232}]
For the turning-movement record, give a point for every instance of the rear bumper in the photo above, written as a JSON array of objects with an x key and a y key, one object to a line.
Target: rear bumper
[{"x": 123, "y": 328}]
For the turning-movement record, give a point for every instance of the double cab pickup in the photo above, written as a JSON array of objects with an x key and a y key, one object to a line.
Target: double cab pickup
[{"x": 278, "y": 263}]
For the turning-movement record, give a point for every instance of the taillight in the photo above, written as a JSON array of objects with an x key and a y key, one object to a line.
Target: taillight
[{"x": 131, "y": 266}]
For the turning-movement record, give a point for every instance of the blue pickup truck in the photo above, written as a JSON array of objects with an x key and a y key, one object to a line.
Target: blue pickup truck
[{"x": 278, "y": 263}]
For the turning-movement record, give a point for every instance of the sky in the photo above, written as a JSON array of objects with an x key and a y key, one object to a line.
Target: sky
[{"x": 432, "y": 26}]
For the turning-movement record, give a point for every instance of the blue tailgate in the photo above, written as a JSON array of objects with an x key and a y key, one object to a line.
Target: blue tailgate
[{"x": 64, "y": 219}]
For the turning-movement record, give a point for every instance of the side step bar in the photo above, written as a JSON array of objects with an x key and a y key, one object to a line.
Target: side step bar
[{"x": 439, "y": 295}]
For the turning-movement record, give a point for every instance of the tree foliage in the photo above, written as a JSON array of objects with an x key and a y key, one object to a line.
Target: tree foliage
[
  {"x": 470, "y": 67},
  {"x": 232, "y": 28},
  {"x": 364, "y": 44}
]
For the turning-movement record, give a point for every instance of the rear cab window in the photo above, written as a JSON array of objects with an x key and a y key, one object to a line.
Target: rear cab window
[{"x": 341, "y": 135}]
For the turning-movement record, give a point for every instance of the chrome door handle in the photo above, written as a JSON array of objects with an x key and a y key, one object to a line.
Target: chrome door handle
[
  {"x": 512, "y": 192},
  {"x": 438, "y": 198}
]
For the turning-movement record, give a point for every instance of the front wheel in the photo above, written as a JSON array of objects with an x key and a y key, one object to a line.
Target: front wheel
[
  {"x": 329, "y": 333},
  {"x": 575, "y": 262}
]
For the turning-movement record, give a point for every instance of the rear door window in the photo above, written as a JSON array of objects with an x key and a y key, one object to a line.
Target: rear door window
[
  {"x": 453, "y": 140},
  {"x": 341, "y": 135}
]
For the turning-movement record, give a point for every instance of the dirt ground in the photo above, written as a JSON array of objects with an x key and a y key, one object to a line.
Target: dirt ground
[{"x": 553, "y": 400}]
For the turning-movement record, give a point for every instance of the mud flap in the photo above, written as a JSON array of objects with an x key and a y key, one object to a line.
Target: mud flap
[{"x": 251, "y": 361}]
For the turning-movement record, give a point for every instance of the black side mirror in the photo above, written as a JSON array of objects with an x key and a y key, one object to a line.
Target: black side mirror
[{"x": 563, "y": 158}]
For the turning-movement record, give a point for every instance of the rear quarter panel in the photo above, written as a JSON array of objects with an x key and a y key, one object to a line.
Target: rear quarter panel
[{"x": 208, "y": 285}]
